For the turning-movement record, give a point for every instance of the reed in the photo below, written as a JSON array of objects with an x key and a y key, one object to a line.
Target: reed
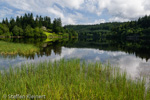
[{"x": 72, "y": 80}]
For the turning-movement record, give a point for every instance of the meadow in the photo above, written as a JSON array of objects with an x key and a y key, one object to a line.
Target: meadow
[
  {"x": 71, "y": 80},
  {"x": 54, "y": 35}
]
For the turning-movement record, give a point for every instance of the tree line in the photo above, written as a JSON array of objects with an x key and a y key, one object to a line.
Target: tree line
[
  {"x": 29, "y": 26},
  {"x": 133, "y": 29},
  {"x": 93, "y": 31},
  {"x": 115, "y": 30}
]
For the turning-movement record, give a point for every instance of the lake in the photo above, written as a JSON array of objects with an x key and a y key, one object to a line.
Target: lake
[{"x": 131, "y": 56}]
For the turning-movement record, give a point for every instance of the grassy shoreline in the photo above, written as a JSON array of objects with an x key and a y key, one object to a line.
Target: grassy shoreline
[
  {"x": 8, "y": 48},
  {"x": 72, "y": 80}
]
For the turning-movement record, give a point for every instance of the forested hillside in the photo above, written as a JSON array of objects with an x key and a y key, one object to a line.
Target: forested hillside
[
  {"x": 133, "y": 29},
  {"x": 29, "y": 26},
  {"x": 125, "y": 30},
  {"x": 94, "y": 31}
]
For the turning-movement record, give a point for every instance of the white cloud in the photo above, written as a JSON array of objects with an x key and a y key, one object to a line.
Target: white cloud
[
  {"x": 100, "y": 21},
  {"x": 68, "y": 21},
  {"x": 48, "y": 7},
  {"x": 20, "y": 4},
  {"x": 80, "y": 11},
  {"x": 55, "y": 12},
  {"x": 5, "y": 11},
  {"x": 71, "y": 3},
  {"x": 120, "y": 10},
  {"x": 118, "y": 19},
  {"x": 127, "y": 9}
]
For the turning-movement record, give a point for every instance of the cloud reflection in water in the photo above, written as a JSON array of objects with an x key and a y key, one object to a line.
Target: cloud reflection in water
[{"x": 133, "y": 65}]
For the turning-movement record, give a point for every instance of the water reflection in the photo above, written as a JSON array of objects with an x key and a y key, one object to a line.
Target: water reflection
[{"x": 136, "y": 63}]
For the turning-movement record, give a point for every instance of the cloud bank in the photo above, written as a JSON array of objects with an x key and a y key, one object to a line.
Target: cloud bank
[{"x": 78, "y": 11}]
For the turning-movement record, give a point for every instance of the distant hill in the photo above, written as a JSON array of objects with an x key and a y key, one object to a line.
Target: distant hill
[
  {"x": 93, "y": 30},
  {"x": 134, "y": 29},
  {"x": 126, "y": 30}
]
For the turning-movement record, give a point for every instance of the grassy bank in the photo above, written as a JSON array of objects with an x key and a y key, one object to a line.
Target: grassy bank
[
  {"x": 54, "y": 35},
  {"x": 71, "y": 80},
  {"x": 8, "y": 48}
]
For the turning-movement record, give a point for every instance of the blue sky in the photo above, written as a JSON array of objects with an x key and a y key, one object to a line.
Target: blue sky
[{"x": 78, "y": 11}]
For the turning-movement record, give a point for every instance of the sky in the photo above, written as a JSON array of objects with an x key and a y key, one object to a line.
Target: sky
[{"x": 78, "y": 11}]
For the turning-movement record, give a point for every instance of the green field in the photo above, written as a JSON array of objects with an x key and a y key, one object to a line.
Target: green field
[
  {"x": 8, "y": 48},
  {"x": 71, "y": 80},
  {"x": 48, "y": 34},
  {"x": 54, "y": 35}
]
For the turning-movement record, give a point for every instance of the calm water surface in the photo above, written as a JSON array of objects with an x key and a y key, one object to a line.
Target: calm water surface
[{"x": 136, "y": 64}]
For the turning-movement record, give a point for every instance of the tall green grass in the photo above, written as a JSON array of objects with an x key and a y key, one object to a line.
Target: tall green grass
[
  {"x": 7, "y": 48},
  {"x": 72, "y": 80}
]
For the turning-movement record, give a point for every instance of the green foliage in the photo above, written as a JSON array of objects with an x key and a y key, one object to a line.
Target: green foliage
[
  {"x": 38, "y": 32},
  {"x": 28, "y": 26},
  {"x": 93, "y": 31},
  {"x": 73, "y": 34},
  {"x": 29, "y": 31},
  {"x": 12, "y": 24},
  {"x": 5, "y": 28},
  {"x": 1, "y": 29},
  {"x": 139, "y": 28},
  {"x": 17, "y": 31},
  {"x": 57, "y": 25}
]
